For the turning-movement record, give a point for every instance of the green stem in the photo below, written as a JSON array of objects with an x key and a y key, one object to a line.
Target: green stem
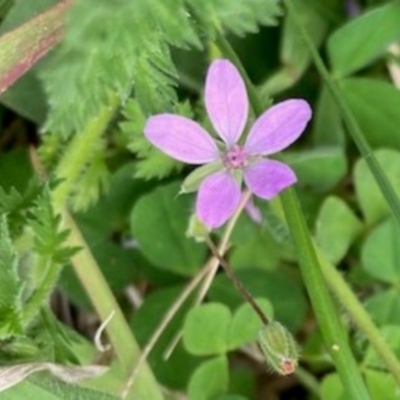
[
  {"x": 358, "y": 314},
  {"x": 326, "y": 313},
  {"x": 333, "y": 333},
  {"x": 85, "y": 266},
  {"x": 351, "y": 123},
  {"x": 79, "y": 151},
  {"x": 103, "y": 300}
]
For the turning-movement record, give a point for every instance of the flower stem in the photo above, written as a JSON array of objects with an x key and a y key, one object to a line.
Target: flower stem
[
  {"x": 237, "y": 282},
  {"x": 332, "y": 330}
]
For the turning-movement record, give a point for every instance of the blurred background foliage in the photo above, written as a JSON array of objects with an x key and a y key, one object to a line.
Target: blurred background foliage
[{"x": 134, "y": 58}]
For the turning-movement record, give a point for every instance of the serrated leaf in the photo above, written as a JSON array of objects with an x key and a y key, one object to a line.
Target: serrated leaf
[
  {"x": 110, "y": 47},
  {"x": 10, "y": 286}
]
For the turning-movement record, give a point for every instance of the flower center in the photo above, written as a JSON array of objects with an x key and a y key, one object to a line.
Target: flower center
[{"x": 235, "y": 157}]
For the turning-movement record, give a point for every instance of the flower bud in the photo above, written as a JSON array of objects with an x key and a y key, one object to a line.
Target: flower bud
[
  {"x": 279, "y": 348},
  {"x": 197, "y": 230}
]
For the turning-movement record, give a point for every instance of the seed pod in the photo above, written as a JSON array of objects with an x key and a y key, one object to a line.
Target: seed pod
[{"x": 279, "y": 348}]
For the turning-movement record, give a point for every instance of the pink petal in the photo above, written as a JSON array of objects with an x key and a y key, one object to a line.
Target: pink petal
[
  {"x": 253, "y": 211},
  {"x": 226, "y": 100},
  {"x": 278, "y": 127},
  {"x": 181, "y": 138},
  {"x": 267, "y": 178},
  {"x": 218, "y": 197}
]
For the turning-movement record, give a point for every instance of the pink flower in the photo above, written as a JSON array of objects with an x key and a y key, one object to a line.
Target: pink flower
[{"x": 227, "y": 107}]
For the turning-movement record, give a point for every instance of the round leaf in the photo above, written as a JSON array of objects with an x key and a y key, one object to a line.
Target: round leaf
[
  {"x": 159, "y": 221},
  {"x": 246, "y": 323},
  {"x": 372, "y": 203},
  {"x": 380, "y": 254},
  {"x": 336, "y": 228},
  {"x": 209, "y": 380},
  {"x": 206, "y": 329}
]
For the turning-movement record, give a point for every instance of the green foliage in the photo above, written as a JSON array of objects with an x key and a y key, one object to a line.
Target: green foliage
[
  {"x": 375, "y": 105},
  {"x": 370, "y": 198},
  {"x": 290, "y": 310},
  {"x": 52, "y": 389},
  {"x": 173, "y": 251},
  {"x": 336, "y": 228},
  {"x": 110, "y": 46},
  {"x": 210, "y": 379},
  {"x": 10, "y": 286},
  {"x": 355, "y": 45},
  {"x": 48, "y": 239},
  {"x": 152, "y": 162},
  {"x": 212, "y": 329}
]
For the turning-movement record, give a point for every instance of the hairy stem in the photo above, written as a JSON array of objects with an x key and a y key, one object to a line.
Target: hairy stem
[{"x": 237, "y": 282}]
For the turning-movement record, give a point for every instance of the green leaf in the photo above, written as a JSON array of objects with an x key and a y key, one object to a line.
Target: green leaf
[
  {"x": 391, "y": 335},
  {"x": 10, "y": 286},
  {"x": 209, "y": 380},
  {"x": 108, "y": 48},
  {"x": 380, "y": 386},
  {"x": 380, "y": 383},
  {"x": 321, "y": 168},
  {"x": 332, "y": 389},
  {"x": 355, "y": 45},
  {"x": 328, "y": 127},
  {"x": 231, "y": 397},
  {"x": 336, "y": 228},
  {"x": 380, "y": 253},
  {"x": 158, "y": 222},
  {"x": 293, "y": 53},
  {"x": 246, "y": 324},
  {"x": 206, "y": 329},
  {"x": 384, "y": 307},
  {"x": 52, "y": 389},
  {"x": 374, "y": 104},
  {"x": 369, "y": 196},
  {"x": 211, "y": 329}
]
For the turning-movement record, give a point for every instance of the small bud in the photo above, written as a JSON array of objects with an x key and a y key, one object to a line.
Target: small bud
[
  {"x": 196, "y": 229},
  {"x": 279, "y": 348}
]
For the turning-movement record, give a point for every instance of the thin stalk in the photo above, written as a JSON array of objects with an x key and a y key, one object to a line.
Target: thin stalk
[
  {"x": 332, "y": 330},
  {"x": 237, "y": 282},
  {"x": 222, "y": 248},
  {"x": 356, "y": 134}
]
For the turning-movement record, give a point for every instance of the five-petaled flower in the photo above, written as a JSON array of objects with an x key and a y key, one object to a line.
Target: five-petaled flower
[{"x": 226, "y": 102}]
